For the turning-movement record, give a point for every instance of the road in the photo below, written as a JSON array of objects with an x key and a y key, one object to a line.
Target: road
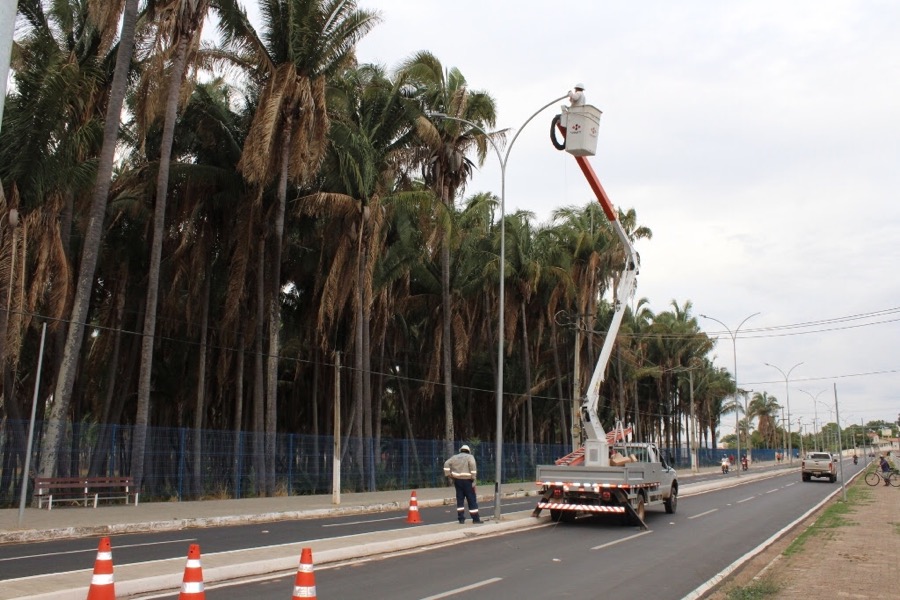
[
  {"x": 586, "y": 559},
  {"x": 680, "y": 552}
]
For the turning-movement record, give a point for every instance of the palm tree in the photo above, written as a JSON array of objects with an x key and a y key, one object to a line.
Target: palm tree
[
  {"x": 302, "y": 44},
  {"x": 182, "y": 29},
  {"x": 765, "y": 409},
  {"x": 90, "y": 250},
  {"x": 447, "y": 169}
]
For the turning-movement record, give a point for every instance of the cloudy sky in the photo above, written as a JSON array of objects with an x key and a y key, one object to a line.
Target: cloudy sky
[{"x": 760, "y": 141}]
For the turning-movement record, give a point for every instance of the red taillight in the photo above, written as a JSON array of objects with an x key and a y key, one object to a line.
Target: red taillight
[
  {"x": 557, "y": 493},
  {"x": 606, "y": 495}
]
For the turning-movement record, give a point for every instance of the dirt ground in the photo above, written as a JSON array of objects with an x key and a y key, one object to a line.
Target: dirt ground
[{"x": 860, "y": 558}]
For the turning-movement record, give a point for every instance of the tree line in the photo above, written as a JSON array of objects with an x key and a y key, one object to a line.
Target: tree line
[{"x": 235, "y": 234}]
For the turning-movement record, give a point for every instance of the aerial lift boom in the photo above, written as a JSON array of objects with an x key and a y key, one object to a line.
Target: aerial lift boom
[{"x": 579, "y": 126}]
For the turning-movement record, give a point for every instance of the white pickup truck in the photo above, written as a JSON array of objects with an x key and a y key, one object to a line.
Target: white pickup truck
[
  {"x": 818, "y": 464},
  {"x": 642, "y": 480}
]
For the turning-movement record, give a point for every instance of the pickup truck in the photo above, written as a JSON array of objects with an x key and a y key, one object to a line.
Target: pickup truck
[
  {"x": 626, "y": 487},
  {"x": 818, "y": 464}
]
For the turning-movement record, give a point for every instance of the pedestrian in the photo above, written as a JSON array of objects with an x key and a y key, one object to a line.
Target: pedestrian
[
  {"x": 461, "y": 468},
  {"x": 885, "y": 469}
]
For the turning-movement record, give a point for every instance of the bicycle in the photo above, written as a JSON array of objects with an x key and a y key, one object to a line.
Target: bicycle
[{"x": 875, "y": 477}]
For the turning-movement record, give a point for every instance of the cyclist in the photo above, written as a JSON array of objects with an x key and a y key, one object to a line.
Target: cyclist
[{"x": 885, "y": 469}]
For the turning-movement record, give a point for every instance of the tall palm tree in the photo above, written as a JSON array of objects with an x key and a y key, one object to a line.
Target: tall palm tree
[
  {"x": 765, "y": 409},
  {"x": 181, "y": 24},
  {"x": 62, "y": 394},
  {"x": 447, "y": 168},
  {"x": 302, "y": 43}
]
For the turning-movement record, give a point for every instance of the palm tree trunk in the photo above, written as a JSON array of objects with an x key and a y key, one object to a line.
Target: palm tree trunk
[
  {"x": 200, "y": 401},
  {"x": 447, "y": 344},
  {"x": 142, "y": 416},
  {"x": 53, "y": 429},
  {"x": 238, "y": 417},
  {"x": 526, "y": 355},
  {"x": 275, "y": 317},
  {"x": 259, "y": 393}
]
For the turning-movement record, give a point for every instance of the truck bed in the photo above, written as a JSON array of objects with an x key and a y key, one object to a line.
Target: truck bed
[{"x": 632, "y": 475}]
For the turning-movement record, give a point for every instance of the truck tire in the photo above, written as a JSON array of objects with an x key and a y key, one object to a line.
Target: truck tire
[
  {"x": 806, "y": 477},
  {"x": 671, "y": 503},
  {"x": 562, "y": 516},
  {"x": 833, "y": 478}
]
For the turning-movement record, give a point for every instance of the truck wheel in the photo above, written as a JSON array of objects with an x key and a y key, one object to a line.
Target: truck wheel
[
  {"x": 671, "y": 503},
  {"x": 555, "y": 515},
  {"x": 833, "y": 478},
  {"x": 806, "y": 477}
]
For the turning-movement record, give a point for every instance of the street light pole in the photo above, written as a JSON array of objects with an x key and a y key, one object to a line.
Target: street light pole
[
  {"x": 787, "y": 390},
  {"x": 815, "y": 414},
  {"x": 503, "y": 158},
  {"x": 737, "y": 429}
]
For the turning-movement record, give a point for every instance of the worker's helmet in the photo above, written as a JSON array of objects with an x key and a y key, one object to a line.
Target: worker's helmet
[
  {"x": 465, "y": 448},
  {"x": 579, "y": 86}
]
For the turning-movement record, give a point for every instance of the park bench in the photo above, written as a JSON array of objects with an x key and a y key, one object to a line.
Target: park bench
[{"x": 83, "y": 490}]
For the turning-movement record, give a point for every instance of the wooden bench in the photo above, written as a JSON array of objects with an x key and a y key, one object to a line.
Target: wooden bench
[{"x": 83, "y": 490}]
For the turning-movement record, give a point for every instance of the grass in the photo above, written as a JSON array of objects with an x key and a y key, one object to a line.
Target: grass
[{"x": 757, "y": 590}]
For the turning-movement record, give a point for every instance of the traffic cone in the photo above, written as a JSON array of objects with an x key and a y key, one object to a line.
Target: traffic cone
[
  {"x": 305, "y": 582},
  {"x": 192, "y": 583},
  {"x": 412, "y": 515},
  {"x": 103, "y": 585}
]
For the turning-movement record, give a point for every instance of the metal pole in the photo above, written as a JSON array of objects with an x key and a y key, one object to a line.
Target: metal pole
[
  {"x": 7, "y": 33},
  {"x": 498, "y": 475},
  {"x": 837, "y": 418},
  {"x": 34, "y": 400},
  {"x": 737, "y": 429},
  {"x": 788, "y": 392}
]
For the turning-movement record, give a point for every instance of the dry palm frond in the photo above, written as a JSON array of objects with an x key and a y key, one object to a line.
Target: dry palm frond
[{"x": 106, "y": 14}]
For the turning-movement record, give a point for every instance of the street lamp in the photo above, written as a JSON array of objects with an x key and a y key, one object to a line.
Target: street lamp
[
  {"x": 815, "y": 413},
  {"x": 787, "y": 390},
  {"x": 737, "y": 429},
  {"x": 503, "y": 158}
]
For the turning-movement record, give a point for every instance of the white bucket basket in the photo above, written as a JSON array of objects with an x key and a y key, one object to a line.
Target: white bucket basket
[{"x": 582, "y": 126}]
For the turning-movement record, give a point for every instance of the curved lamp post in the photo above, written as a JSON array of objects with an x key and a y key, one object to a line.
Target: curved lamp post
[
  {"x": 787, "y": 390},
  {"x": 815, "y": 398},
  {"x": 503, "y": 161},
  {"x": 737, "y": 429}
]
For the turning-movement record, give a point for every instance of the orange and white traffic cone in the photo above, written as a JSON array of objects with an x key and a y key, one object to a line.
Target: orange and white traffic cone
[
  {"x": 412, "y": 515},
  {"x": 305, "y": 582},
  {"x": 192, "y": 583},
  {"x": 103, "y": 586}
]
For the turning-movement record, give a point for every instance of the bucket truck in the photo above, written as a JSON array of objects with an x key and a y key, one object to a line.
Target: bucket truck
[{"x": 608, "y": 474}]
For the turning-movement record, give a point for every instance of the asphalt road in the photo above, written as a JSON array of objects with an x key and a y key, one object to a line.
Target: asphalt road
[
  {"x": 38, "y": 558},
  {"x": 592, "y": 558}
]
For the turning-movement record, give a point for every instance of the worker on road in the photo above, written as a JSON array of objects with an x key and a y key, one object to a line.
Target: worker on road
[{"x": 461, "y": 468}]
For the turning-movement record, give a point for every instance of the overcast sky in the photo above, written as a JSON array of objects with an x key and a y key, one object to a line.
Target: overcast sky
[{"x": 759, "y": 141}]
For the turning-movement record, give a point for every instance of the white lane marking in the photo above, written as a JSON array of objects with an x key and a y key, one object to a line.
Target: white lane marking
[
  {"x": 625, "y": 539},
  {"x": 474, "y": 586},
  {"x": 772, "y": 491},
  {"x": 745, "y": 500},
  {"x": 363, "y": 522},
  {"x": 703, "y": 514},
  {"x": 92, "y": 550}
]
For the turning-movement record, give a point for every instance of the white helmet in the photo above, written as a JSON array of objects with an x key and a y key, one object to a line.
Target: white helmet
[
  {"x": 579, "y": 86},
  {"x": 464, "y": 448}
]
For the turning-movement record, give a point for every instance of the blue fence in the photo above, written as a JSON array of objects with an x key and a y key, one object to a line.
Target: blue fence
[{"x": 227, "y": 464}]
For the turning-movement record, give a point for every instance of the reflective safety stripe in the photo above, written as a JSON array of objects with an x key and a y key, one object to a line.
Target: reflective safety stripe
[
  {"x": 305, "y": 568},
  {"x": 582, "y": 507},
  {"x": 304, "y": 591},
  {"x": 193, "y": 563},
  {"x": 192, "y": 587},
  {"x": 101, "y": 579},
  {"x": 104, "y": 556}
]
